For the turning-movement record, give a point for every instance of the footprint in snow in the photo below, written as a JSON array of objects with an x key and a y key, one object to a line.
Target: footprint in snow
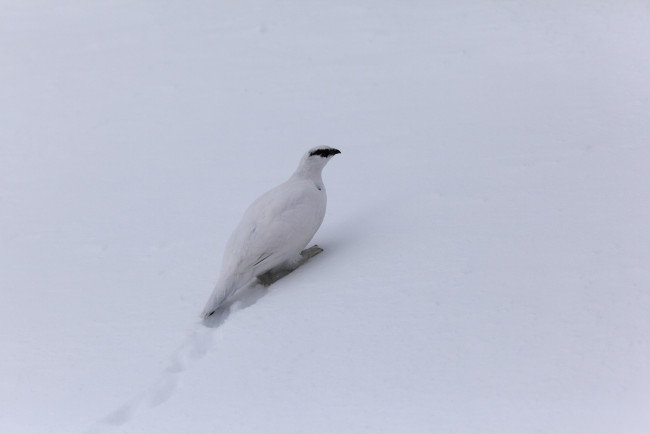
[{"x": 196, "y": 345}]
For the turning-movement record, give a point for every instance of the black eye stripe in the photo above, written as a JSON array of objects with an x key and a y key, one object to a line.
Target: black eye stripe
[{"x": 326, "y": 152}]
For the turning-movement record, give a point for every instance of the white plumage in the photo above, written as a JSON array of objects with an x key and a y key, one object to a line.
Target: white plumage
[{"x": 274, "y": 229}]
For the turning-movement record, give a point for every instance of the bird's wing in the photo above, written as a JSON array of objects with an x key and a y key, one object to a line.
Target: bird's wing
[{"x": 275, "y": 227}]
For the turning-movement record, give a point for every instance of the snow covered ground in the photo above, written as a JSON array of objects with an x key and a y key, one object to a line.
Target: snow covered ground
[{"x": 487, "y": 242}]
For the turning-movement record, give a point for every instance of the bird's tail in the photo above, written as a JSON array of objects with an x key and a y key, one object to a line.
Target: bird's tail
[{"x": 224, "y": 289}]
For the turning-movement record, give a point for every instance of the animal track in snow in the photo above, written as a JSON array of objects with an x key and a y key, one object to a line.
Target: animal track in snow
[{"x": 196, "y": 345}]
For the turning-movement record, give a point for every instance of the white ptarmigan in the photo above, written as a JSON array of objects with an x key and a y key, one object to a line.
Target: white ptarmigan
[{"x": 269, "y": 241}]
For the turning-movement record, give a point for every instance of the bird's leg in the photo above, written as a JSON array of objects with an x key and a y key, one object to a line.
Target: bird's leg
[
  {"x": 310, "y": 253},
  {"x": 278, "y": 273}
]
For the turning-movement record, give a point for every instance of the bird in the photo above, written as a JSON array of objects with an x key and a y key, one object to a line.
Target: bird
[{"x": 268, "y": 243}]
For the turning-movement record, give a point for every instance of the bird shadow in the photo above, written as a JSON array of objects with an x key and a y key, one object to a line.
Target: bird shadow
[{"x": 249, "y": 295}]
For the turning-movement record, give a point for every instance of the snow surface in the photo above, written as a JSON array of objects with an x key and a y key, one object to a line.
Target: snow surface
[{"x": 487, "y": 243}]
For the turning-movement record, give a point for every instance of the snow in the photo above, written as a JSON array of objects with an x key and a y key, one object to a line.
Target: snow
[{"x": 486, "y": 263}]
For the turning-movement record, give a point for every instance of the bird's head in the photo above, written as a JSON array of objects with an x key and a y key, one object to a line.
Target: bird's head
[{"x": 315, "y": 159}]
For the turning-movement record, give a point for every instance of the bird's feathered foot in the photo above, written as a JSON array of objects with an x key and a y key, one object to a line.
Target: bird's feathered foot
[{"x": 310, "y": 252}]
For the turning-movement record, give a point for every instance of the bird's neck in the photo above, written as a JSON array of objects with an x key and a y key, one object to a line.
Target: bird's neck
[{"x": 311, "y": 173}]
